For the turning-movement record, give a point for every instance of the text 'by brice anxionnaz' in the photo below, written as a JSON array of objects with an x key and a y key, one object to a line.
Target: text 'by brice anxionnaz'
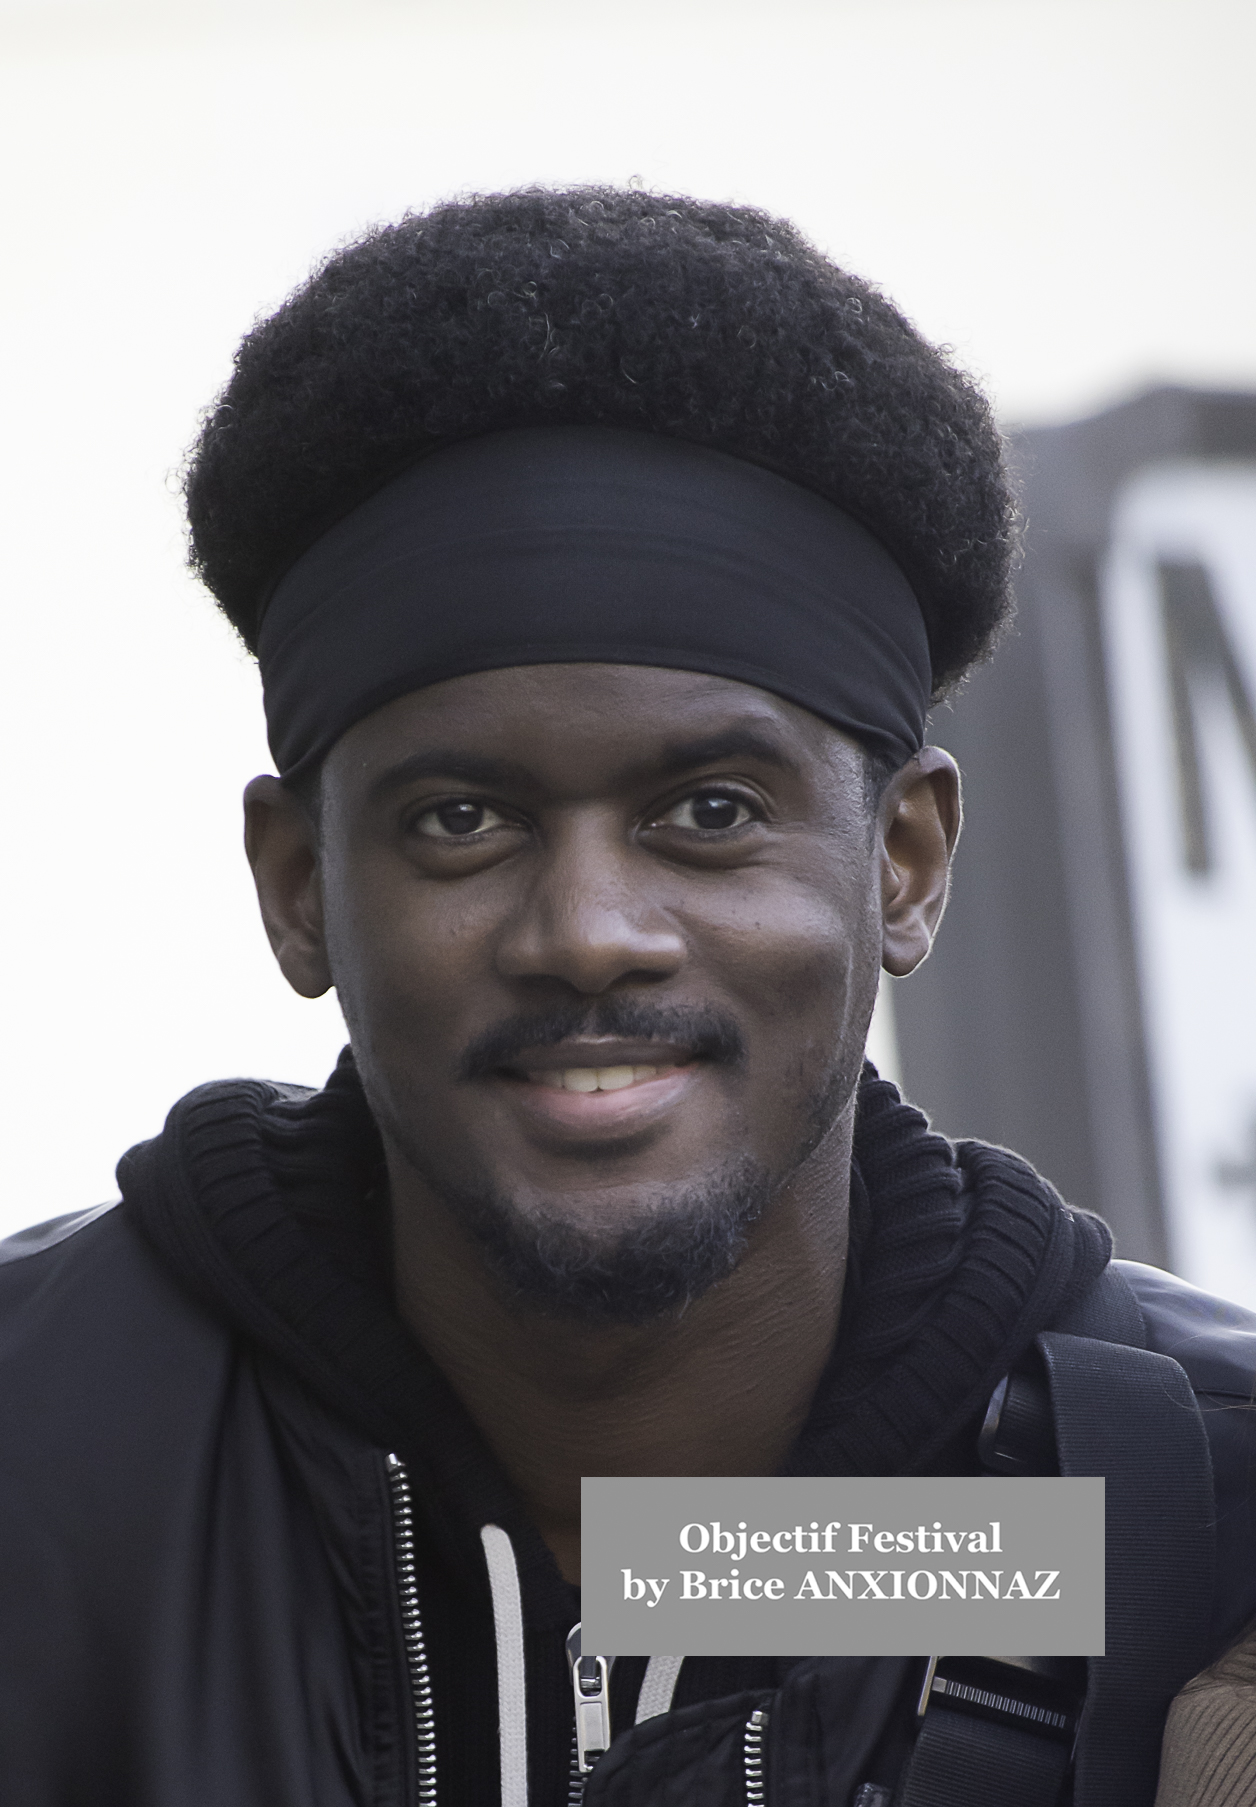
[{"x": 735, "y": 1545}]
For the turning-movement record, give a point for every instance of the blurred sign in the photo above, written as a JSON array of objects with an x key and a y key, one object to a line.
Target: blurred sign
[
  {"x": 1179, "y": 616},
  {"x": 1091, "y": 998}
]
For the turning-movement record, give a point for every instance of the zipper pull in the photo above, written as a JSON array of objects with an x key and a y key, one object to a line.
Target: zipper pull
[{"x": 590, "y": 1684}]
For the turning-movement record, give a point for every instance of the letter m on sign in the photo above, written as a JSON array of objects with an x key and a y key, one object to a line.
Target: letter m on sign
[{"x": 1199, "y": 652}]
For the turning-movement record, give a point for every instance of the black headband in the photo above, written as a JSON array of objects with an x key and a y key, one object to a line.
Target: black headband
[{"x": 554, "y": 545}]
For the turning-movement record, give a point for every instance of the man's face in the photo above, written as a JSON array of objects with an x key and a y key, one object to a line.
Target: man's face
[{"x": 607, "y": 939}]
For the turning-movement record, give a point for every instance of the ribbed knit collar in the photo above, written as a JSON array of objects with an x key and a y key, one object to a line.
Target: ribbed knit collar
[
  {"x": 959, "y": 1255},
  {"x": 266, "y": 1202}
]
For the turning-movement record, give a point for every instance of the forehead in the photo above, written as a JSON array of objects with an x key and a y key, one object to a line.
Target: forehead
[{"x": 612, "y": 719}]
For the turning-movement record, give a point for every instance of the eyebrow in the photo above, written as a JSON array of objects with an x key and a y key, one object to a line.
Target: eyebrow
[
  {"x": 468, "y": 768},
  {"x": 733, "y": 743},
  {"x": 474, "y": 768}
]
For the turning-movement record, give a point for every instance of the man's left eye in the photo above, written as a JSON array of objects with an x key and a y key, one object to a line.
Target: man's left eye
[{"x": 706, "y": 810}]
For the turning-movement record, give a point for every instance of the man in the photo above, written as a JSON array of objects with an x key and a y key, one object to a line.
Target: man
[{"x": 603, "y": 553}]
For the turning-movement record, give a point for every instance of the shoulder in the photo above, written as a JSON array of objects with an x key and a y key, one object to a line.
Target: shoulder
[
  {"x": 122, "y": 1398},
  {"x": 76, "y": 1255},
  {"x": 88, "y": 1312},
  {"x": 1213, "y": 1339},
  {"x": 37, "y": 1238}
]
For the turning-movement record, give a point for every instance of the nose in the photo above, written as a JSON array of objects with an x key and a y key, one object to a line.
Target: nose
[{"x": 591, "y": 916}]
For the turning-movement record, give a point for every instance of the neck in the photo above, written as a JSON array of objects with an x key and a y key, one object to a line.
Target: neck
[{"x": 721, "y": 1388}]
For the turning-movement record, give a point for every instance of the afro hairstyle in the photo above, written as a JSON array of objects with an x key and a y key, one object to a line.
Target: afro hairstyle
[{"x": 712, "y": 323}]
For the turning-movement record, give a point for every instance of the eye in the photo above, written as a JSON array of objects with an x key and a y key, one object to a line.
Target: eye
[
  {"x": 707, "y": 811},
  {"x": 459, "y": 819}
]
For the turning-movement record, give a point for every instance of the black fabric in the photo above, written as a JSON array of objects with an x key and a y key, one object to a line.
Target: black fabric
[
  {"x": 959, "y": 1254},
  {"x": 195, "y": 1553},
  {"x": 593, "y": 544},
  {"x": 963, "y": 1762},
  {"x": 1130, "y": 1414},
  {"x": 831, "y": 1723},
  {"x": 267, "y": 1205},
  {"x": 1109, "y": 1311},
  {"x": 196, "y": 1608},
  {"x": 691, "y": 1757},
  {"x": 825, "y": 1723},
  {"x": 195, "y": 1566}
]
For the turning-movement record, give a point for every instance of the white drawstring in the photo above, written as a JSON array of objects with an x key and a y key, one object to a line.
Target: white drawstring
[
  {"x": 657, "y": 1687},
  {"x": 661, "y": 1675},
  {"x": 512, "y": 1700}
]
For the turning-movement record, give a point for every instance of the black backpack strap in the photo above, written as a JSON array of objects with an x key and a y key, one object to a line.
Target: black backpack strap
[
  {"x": 1018, "y": 1435},
  {"x": 992, "y": 1734},
  {"x": 1109, "y": 1407},
  {"x": 1131, "y": 1415},
  {"x": 970, "y": 1763}
]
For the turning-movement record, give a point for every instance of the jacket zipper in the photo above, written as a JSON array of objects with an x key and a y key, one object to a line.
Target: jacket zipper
[
  {"x": 412, "y": 1631},
  {"x": 752, "y": 1748},
  {"x": 575, "y": 1780},
  {"x": 752, "y": 1751},
  {"x": 590, "y": 1680}
]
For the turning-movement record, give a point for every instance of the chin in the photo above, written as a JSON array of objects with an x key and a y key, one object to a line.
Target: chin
[{"x": 686, "y": 1241}]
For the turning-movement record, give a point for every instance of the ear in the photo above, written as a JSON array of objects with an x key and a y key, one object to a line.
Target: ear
[
  {"x": 282, "y": 845},
  {"x": 918, "y": 823}
]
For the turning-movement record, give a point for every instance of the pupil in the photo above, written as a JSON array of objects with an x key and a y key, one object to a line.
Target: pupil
[
  {"x": 714, "y": 812},
  {"x": 460, "y": 818}
]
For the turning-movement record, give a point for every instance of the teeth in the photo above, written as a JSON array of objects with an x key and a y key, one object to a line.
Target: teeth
[
  {"x": 595, "y": 1079},
  {"x": 614, "y": 1079}
]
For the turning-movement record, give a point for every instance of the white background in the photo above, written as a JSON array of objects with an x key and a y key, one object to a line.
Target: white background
[{"x": 1062, "y": 191}]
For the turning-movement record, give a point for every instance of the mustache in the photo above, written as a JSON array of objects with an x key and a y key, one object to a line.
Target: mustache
[{"x": 708, "y": 1033}]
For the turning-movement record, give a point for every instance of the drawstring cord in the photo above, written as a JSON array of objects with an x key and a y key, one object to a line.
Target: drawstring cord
[
  {"x": 657, "y": 1687},
  {"x": 512, "y": 1704},
  {"x": 661, "y": 1675}
]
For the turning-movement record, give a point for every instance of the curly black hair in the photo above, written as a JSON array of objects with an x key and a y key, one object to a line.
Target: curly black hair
[{"x": 711, "y": 323}]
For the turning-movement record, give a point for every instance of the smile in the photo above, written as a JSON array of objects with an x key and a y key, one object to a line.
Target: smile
[
  {"x": 592, "y": 1086},
  {"x": 596, "y": 1079}
]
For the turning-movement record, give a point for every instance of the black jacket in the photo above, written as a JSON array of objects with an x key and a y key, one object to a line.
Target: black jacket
[{"x": 234, "y": 1494}]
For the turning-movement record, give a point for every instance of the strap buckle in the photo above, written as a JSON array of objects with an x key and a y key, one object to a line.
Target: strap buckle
[{"x": 1020, "y": 1692}]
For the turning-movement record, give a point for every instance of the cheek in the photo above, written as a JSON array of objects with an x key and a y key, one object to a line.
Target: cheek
[
  {"x": 795, "y": 952},
  {"x": 819, "y": 975},
  {"x": 800, "y": 972},
  {"x": 807, "y": 965},
  {"x": 402, "y": 964}
]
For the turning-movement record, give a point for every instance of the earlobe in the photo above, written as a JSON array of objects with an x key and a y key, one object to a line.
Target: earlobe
[
  {"x": 919, "y": 826},
  {"x": 282, "y": 850}
]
